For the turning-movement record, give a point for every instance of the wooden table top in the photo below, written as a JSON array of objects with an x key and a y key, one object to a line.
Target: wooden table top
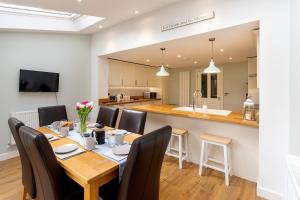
[
  {"x": 86, "y": 167},
  {"x": 233, "y": 117}
]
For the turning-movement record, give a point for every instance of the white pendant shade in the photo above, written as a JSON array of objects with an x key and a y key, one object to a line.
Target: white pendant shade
[
  {"x": 162, "y": 72},
  {"x": 212, "y": 68}
]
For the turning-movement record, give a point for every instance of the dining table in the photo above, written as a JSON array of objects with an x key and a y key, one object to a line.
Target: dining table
[{"x": 89, "y": 169}]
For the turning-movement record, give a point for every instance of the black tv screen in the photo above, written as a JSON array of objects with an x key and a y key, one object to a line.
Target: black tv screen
[{"x": 35, "y": 81}]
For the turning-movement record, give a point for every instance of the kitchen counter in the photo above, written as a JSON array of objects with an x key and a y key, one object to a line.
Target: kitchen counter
[
  {"x": 244, "y": 134},
  {"x": 111, "y": 103},
  {"x": 233, "y": 117}
]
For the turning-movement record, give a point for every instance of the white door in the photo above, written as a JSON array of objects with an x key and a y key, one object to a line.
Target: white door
[{"x": 211, "y": 87}]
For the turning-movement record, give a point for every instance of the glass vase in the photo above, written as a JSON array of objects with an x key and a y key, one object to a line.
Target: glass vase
[{"x": 83, "y": 124}]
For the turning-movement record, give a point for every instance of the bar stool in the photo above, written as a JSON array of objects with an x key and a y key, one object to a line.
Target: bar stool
[
  {"x": 178, "y": 152},
  {"x": 204, "y": 158}
]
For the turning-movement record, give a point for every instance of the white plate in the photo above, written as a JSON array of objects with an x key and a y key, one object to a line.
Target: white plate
[
  {"x": 67, "y": 148},
  {"x": 118, "y": 132},
  {"x": 49, "y": 136},
  {"x": 121, "y": 150}
]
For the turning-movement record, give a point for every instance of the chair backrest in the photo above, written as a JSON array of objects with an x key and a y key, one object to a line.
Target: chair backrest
[
  {"x": 108, "y": 115},
  {"x": 47, "y": 172},
  {"x": 142, "y": 172},
  {"x": 49, "y": 114},
  {"x": 27, "y": 173},
  {"x": 133, "y": 121}
]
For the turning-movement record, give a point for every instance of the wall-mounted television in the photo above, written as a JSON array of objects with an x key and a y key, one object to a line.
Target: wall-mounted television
[{"x": 36, "y": 81}]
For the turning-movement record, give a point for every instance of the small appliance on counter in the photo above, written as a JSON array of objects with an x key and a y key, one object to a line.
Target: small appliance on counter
[
  {"x": 249, "y": 110},
  {"x": 112, "y": 98},
  {"x": 150, "y": 95}
]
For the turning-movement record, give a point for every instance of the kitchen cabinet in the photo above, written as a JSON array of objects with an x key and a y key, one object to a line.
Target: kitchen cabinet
[{"x": 124, "y": 74}]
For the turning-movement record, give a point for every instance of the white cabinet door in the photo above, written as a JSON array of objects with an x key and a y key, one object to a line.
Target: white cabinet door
[
  {"x": 115, "y": 75},
  {"x": 153, "y": 80},
  {"x": 128, "y": 74},
  {"x": 140, "y": 76}
]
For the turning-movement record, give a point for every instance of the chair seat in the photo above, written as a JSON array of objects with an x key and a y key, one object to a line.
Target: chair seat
[{"x": 215, "y": 138}]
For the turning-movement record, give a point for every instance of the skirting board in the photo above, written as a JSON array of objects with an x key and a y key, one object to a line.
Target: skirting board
[
  {"x": 268, "y": 194},
  {"x": 9, "y": 155}
]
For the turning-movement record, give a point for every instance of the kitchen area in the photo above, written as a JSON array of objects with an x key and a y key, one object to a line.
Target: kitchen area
[{"x": 169, "y": 82}]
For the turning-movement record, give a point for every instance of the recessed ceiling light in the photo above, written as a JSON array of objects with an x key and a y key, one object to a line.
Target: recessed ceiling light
[
  {"x": 100, "y": 26},
  {"x": 222, "y": 50},
  {"x": 230, "y": 58},
  {"x": 79, "y": 1},
  {"x": 178, "y": 56},
  {"x": 148, "y": 60},
  {"x": 167, "y": 65},
  {"x": 195, "y": 62},
  {"x": 136, "y": 12}
]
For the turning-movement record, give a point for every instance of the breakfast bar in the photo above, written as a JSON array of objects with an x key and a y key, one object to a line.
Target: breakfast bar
[{"x": 244, "y": 134}]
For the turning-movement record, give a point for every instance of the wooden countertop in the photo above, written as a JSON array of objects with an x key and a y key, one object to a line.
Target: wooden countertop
[
  {"x": 234, "y": 117},
  {"x": 111, "y": 103}
]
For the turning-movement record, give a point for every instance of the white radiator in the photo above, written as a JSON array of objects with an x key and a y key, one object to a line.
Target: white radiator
[
  {"x": 184, "y": 88},
  {"x": 29, "y": 118}
]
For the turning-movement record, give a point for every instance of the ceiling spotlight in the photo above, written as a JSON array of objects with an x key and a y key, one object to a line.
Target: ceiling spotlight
[
  {"x": 100, "y": 26},
  {"x": 136, "y": 12},
  {"x": 178, "y": 56},
  {"x": 195, "y": 62},
  {"x": 167, "y": 65},
  {"x": 230, "y": 58},
  {"x": 148, "y": 60},
  {"x": 79, "y": 1},
  {"x": 222, "y": 50}
]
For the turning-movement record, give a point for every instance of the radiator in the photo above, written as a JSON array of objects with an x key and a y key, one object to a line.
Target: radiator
[{"x": 29, "y": 118}]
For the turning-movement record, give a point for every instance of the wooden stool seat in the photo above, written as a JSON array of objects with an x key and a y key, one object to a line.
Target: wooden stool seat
[
  {"x": 215, "y": 138},
  {"x": 178, "y": 131},
  {"x": 178, "y": 152},
  {"x": 206, "y": 161}
]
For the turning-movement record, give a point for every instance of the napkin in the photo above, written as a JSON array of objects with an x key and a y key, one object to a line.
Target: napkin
[{"x": 71, "y": 154}]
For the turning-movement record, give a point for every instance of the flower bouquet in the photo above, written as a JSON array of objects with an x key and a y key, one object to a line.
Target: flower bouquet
[{"x": 84, "y": 108}]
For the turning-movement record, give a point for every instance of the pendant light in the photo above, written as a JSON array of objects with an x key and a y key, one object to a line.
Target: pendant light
[
  {"x": 162, "y": 71},
  {"x": 212, "y": 68}
]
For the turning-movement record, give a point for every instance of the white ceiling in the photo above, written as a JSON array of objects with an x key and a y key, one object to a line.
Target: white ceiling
[
  {"x": 238, "y": 42},
  {"x": 114, "y": 11}
]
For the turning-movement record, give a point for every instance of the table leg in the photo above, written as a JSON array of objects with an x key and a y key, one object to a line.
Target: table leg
[
  {"x": 91, "y": 191},
  {"x": 23, "y": 193}
]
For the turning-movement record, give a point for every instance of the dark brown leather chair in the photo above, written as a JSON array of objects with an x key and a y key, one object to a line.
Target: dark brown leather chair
[
  {"x": 49, "y": 114},
  {"x": 108, "y": 116},
  {"x": 27, "y": 173},
  {"x": 51, "y": 181},
  {"x": 141, "y": 176},
  {"x": 133, "y": 121}
]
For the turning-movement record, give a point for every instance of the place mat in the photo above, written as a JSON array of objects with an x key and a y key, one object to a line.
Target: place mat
[{"x": 71, "y": 154}]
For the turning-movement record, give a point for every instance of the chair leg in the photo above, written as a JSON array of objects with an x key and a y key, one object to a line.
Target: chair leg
[
  {"x": 229, "y": 161},
  {"x": 170, "y": 143},
  {"x": 205, "y": 153},
  {"x": 226, "y": 165},
  {"x": 180, "y": 151},
  {"x": 23, "y": 193},
  {"x": 201, "y": 158},
  {"x": 187, "y": 148}
]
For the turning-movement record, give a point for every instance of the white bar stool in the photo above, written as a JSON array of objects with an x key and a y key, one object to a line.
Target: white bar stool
[
  {"x": 204, "y": 158},
  {"x": 178, "y": 152}
]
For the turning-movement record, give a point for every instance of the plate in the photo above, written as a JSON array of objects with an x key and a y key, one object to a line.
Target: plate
[
  {"x": 92, "y": 125},
  {"x": 121, "y": 150},
  {"x": 67, "y": 148},
  {"x": 49, "y": 136}
]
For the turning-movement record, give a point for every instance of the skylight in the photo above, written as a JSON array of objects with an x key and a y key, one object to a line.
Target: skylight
[{"x": 16, "y": 9}]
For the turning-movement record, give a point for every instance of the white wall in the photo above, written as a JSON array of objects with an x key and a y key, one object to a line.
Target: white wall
[
  {"x": 68, "y": 55},
  {"x": 274, "y": 65},
  {"x": 234, "y": 80},
  {"x": 295, "y": 81}
]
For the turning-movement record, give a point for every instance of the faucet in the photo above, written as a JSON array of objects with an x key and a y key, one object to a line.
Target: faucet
[{"x": 196, "y": 93}]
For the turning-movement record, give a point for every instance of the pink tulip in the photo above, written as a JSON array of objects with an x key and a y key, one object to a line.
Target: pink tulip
[{"x": 85, "y": 102}]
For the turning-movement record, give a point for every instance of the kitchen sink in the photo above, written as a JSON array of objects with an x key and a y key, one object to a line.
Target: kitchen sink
[{"x": 208, "y": 111}]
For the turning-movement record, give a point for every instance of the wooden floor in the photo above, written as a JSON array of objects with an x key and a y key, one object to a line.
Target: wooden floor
[{"x": 176, "y": 184}]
